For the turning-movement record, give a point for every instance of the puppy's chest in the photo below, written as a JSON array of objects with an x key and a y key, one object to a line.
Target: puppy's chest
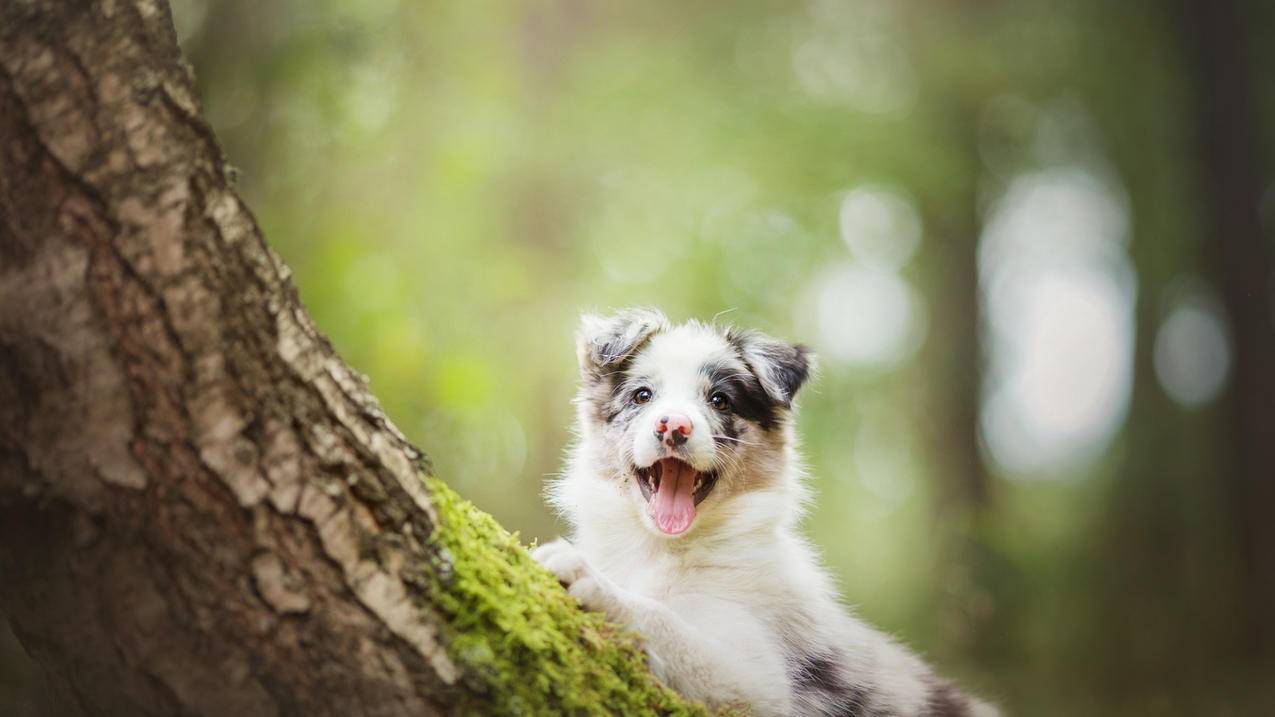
[
  {"x": 650, "y": 577},
  {"x": 689, "y": 590}
]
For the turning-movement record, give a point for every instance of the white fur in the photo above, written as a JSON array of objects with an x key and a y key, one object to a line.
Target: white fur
[{"x": 723, "y": 606}]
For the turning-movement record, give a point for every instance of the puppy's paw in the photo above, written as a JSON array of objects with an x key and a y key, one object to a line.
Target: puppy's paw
[
  {"x": 562, "y": 559},
  {"x": 572, "y": 570}
]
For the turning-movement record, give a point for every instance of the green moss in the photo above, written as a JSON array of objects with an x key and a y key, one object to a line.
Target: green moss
[{"x": 524, "y": 644}]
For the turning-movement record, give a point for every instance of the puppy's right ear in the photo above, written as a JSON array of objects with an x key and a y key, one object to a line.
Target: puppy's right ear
[{"x": 604, "y": 342}]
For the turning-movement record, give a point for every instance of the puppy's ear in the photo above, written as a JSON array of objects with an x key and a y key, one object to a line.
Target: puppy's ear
[
  {"x": 603, "y": 342},
  {"x": 781, "y": 367}
]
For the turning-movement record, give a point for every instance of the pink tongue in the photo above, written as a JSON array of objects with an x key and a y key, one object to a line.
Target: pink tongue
[{"x": 673, "y": 506}]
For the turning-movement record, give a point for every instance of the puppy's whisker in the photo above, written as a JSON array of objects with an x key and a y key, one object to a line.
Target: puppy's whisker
[
  {"x": 730, "y": 462},
  {"x": 740, "y": 441}
]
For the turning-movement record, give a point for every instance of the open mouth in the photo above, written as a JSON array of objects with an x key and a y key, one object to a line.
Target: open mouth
[{"x": 672, "y": 489}]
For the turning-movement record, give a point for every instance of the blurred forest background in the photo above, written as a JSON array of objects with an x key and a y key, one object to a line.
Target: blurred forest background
[{"x": 1032, "y": 242}]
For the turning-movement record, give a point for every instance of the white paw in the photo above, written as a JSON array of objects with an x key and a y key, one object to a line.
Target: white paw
[
  {"x": 572, "y": 570},
  {"x": 562, "y": 559}
]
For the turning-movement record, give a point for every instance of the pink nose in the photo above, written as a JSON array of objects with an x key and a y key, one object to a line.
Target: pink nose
[{"x": 674, "y": 428}]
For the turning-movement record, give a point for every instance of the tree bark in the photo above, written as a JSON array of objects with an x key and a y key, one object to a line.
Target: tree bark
[{"x": 202, "y": 509}]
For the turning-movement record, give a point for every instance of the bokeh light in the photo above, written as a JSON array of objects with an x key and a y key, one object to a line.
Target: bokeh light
[
  {"x": 1058, "y": 294},
  {"x": 881, "y": 227},
  {"x": 1192, "y": 346},
  {"x": 864, "y": 316}
]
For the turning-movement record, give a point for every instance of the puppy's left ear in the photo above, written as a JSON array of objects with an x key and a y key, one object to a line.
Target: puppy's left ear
[{"x": 781, "y": 367}]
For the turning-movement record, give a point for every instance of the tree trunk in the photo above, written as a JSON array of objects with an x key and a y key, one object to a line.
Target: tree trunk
[
  {"x": 202, "y": 509},
  {"x": 964, "y": 492},
  {"x": 1241, "y": 259}
]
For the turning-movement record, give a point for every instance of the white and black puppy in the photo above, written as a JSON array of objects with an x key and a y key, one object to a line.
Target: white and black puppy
[{"x": 684, "y": 492}]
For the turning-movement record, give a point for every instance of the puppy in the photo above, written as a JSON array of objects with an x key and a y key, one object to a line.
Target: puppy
[{"x": 683, "y": 492}]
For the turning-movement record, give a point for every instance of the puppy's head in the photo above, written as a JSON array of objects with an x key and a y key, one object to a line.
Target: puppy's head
[{"x": 684, "y": 416}]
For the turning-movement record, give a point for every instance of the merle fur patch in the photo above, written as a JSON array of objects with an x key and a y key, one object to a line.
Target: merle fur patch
[{"x": 605, "y": 346}]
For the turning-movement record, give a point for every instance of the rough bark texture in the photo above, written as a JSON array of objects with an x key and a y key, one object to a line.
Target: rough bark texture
[{"x": 202, "y": 509}]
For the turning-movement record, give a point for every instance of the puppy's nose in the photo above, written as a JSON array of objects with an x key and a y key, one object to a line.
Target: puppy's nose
[{"x": 673, "y": 429}]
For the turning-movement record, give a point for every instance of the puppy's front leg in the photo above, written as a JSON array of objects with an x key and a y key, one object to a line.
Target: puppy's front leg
[
  {"x": 582, "y": 582},
  {"x": 686, "y": 660}
]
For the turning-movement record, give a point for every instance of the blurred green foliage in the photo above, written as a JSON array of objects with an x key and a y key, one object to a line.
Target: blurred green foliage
[{"x": 453, "y": 183}]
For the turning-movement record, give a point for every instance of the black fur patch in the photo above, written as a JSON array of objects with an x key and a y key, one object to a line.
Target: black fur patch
[
  {"x": 748, "y": 398},
  {"x": 730, "y": 428},
  {"x": 785, "y": 367},
  {"x": 944, "y": 700},
  {"x": 790, "y": 367},
  {"x": 817, "y": 676},
  {"x": 614, "y": 350}
]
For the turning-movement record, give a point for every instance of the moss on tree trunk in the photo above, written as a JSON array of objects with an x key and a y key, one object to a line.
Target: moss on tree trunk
[
  {"x": 202, "y": 508},
  {"x": 514, "y": 629}
]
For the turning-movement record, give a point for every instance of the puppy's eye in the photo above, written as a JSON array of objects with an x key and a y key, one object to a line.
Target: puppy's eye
[
  {"x": 642, "y": 395},
  {"x": 720, "y": 401}
]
